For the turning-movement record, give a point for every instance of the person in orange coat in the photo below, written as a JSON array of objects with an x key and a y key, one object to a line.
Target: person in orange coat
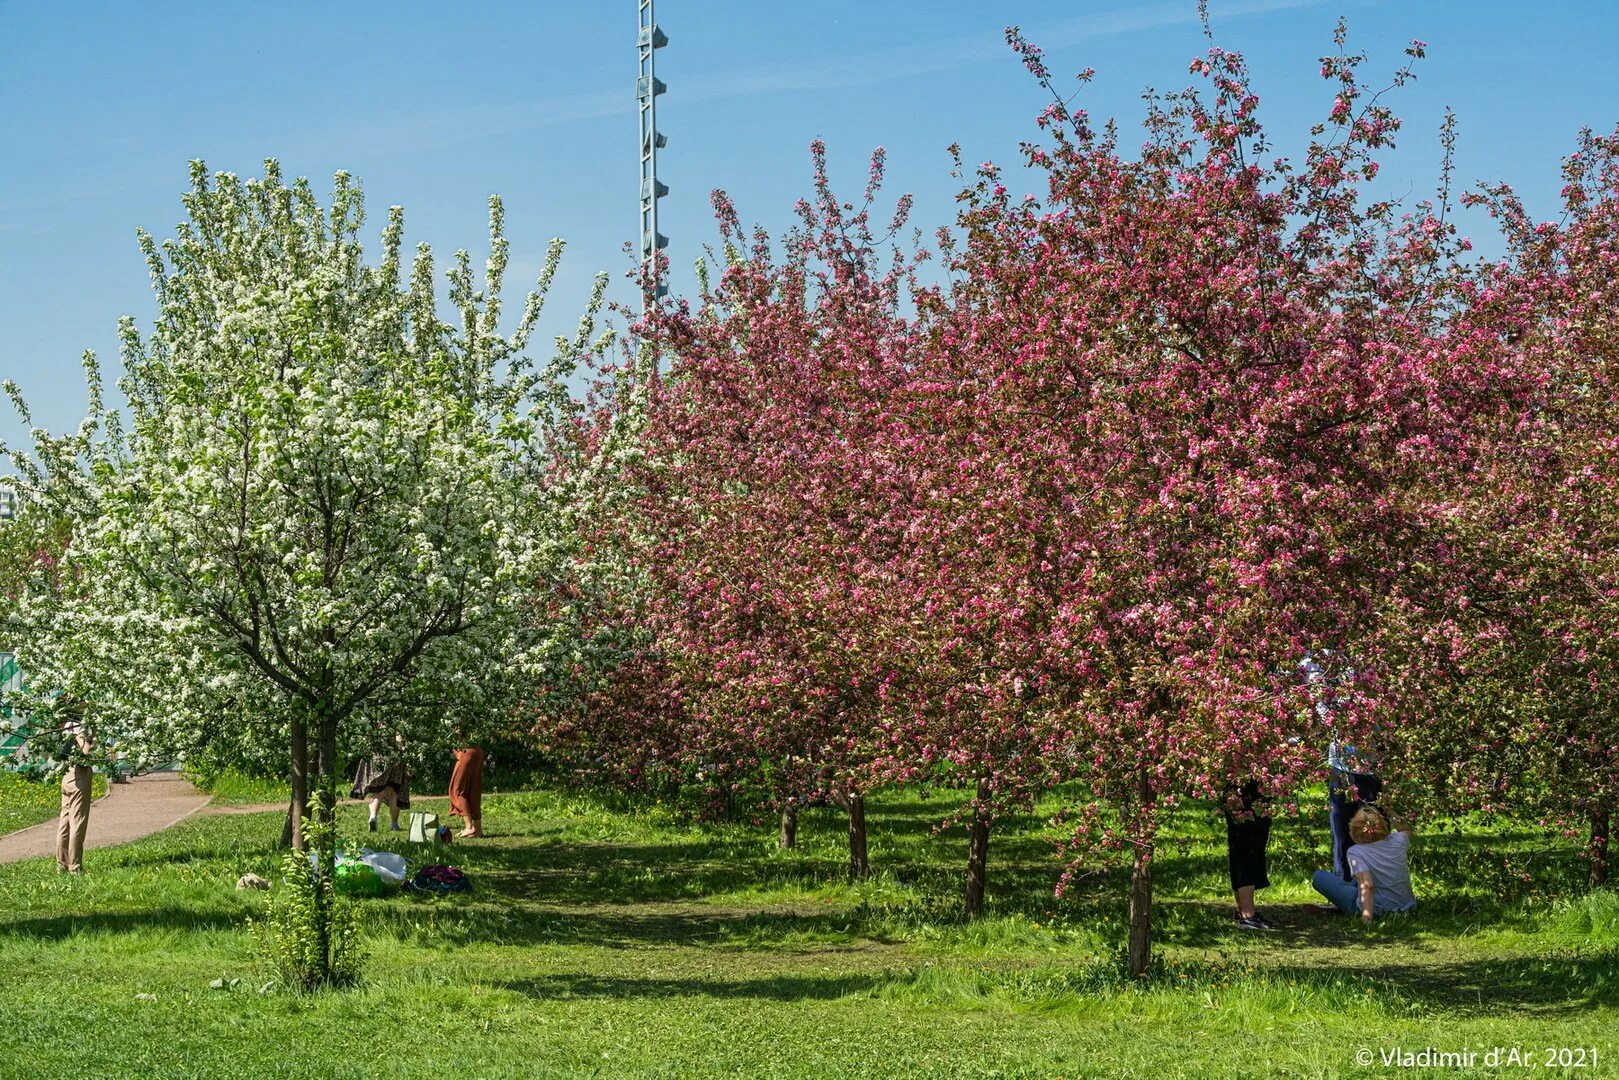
[{"x": 466, "y": 790}]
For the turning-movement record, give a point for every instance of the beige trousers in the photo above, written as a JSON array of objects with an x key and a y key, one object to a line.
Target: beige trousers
[{"x": 74, "y": 820}]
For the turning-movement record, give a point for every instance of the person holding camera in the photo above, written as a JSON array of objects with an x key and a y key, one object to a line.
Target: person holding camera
[{"x": 74, "y": 819}]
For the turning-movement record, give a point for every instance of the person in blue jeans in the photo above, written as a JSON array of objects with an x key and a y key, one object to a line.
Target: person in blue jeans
[
  {"x": 1378, "y": 859},
  {"x": 1352, "y": 783}
]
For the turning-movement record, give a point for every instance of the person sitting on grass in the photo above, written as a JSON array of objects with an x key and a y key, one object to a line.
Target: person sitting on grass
[{"x": 1382, "y": 878}]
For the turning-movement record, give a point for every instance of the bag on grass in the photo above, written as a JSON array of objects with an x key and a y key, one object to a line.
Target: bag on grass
[
  {"x": 389, "y": 866},
  {"x": 358, "y": 879},
  {"x": 440, "y": 879},
  {"x": 423, "y": 828}
]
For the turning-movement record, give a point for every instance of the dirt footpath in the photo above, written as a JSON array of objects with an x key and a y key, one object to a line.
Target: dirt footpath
[{"x": 145, "y": 805}]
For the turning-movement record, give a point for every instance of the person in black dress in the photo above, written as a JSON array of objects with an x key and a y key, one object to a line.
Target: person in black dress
[
  {"x": 1247, "y": 833},
  {"x": 382, "y": 780}
]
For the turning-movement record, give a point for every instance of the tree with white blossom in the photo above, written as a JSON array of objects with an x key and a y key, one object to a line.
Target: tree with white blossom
[{"x": 322, "y": 523}]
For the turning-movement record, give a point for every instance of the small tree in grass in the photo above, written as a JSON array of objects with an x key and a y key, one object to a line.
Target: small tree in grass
[
  {"x": 309, "y": 935},
  {"x": 325, "y": 516}
]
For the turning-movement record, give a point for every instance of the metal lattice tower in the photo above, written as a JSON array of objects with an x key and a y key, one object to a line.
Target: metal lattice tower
[{"x": 647, "y": 88}]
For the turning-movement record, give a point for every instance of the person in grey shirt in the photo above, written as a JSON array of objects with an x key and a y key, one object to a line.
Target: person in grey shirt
[{"x": 1378, "y": 859}]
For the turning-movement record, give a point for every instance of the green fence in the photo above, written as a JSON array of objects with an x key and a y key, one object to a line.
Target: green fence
[{"x": 13, "y": 731}]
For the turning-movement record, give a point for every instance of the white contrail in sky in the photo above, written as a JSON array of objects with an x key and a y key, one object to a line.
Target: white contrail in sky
[
  {"x": 848, "y": 70},
  {"x": 422, "y": 130},
  {"x": 928, "y": 58}
]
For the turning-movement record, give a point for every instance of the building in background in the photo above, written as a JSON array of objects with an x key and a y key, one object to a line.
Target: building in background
[{"x": 8, "y": 503}]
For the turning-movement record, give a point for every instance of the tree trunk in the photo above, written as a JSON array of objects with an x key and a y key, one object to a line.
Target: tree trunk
[
  {"x": 1599, "y": 847},
  {"x": 859, "y": 864},
  {"x": 978, "y": 852},
  {"x": 789, "y": 827},
  {"x": 1140, "y": 952},
  {"x": 327, "y": 768},
  {"x": 300, "y": 779},
  {"x": 324, "y": 900},
  {"x": 1140, "y": 946},
  {"x": 287, "y": 827},
  {"x": 326, "y": 797}
]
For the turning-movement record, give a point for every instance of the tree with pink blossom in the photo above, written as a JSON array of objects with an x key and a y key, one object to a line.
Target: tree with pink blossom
[
  {"x": 765, "y": 496},
  {"x": 1201, "y": 369},
  {"x": 1508, "y": 648}
]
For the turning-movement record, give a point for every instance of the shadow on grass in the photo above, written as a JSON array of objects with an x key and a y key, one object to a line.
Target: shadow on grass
[
  {"x": 161, "y": 920},
  {"x": 624, "y": 873},
  {"x": 655, "y": 928},
  {"x": 1565, "y": 982},
  {"x": 770, "y": 988},
  {"x": 547, "y": 883},
  {"x": 1543, "y": 987}
]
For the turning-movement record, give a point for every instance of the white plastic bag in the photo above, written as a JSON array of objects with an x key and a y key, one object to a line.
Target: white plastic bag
[
  {"x": 389, "y": 865},
  {"x": 338, "y": 859}
]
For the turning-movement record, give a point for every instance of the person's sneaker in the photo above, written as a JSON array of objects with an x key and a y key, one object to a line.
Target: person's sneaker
[
  {"x": 1317, "y": 909},
  {"x": 1250, "y": 923},
  {"x": 1264, "y": 923}
]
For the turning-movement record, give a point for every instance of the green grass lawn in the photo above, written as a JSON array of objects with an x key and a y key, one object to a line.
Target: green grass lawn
[
  {"x": 237, "y": 789},
  {"x": 25, "y": 802},
  {"x": 607, "y": 942}
]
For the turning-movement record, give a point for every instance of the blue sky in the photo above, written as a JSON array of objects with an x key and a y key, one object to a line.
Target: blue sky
[{"x": 435, "y": 106}]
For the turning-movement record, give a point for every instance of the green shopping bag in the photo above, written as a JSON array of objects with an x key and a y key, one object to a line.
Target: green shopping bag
[{"x": 358, "y": 879}]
